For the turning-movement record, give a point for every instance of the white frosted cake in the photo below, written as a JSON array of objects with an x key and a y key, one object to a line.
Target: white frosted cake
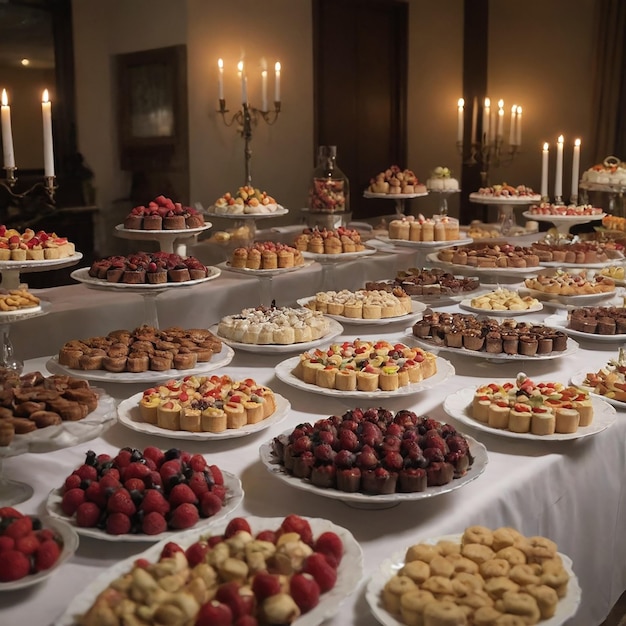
[{"x": 441, "y": 180}]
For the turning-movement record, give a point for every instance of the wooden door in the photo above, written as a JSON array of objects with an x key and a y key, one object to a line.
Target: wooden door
[{"x": 360, "y": 74}]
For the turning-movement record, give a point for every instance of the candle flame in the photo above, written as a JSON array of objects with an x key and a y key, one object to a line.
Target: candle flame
[
  {"x": 487, "y": 102},
  {"x": 5, "y": 100},
  {"x": 560, "y": 139},
  {"x": 501, "y": 104},
  {"x": 577, "y": 142},
  {"x": 277, "y": 66},
  {"x": 45, "y": 97},
  {"x": 519, "y": 110},
  {"x": 264, "y": 73},
  {"x": 513, "y": 109},
  {"x": 220, "y": 64},
  {"x": 461, "y": 103},
  {"x": 240, "y": 67},
  {"x": 545, "y": 146}
]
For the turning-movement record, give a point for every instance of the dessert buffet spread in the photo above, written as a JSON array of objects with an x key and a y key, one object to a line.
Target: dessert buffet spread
[
  {"x": 362, "y": 304},
  {"x": 329, "y": 241},
  {"x": 481, "y": 577},
  {"x": 266, "y": 255},
  {"x": 33, "y": 246},
  {"x": 524, "y": 406},
  {"x": 598, "y": 320},
  {"x": 246, "y": 200},
  {"x": 32, "y": 401},
  {"x": 395, "y": 180},
  {"x": 566, "y": 284},
  {"x": 428, "y": 282},
  {"x": 505, "y": 191},
  {"x": 143, "y": 349},
  {"x": 503, "y": 299},
  {"x": 18, "y": 300},
  {"x": 206, "y": 404},
  {"x": 494, "y": 255},
  {"x": 274, "y": 325},
  {"x": 163, "y": 214},
  {"x": 438, "y": 228},
  {"x": 148, "y": 267},
  {"x": 458, "y": 330},
  {"x": 441, "y": 179},
  {"x": 375, "y": 451},
  {"x": 546, "y": 208}
]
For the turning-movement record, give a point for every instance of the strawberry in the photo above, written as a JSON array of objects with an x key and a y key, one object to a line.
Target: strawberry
[
  {"x": 184, "y": 516},
  {"x": 235, "y": 525},
  {"x": 214, "y": 614},
  {"x": 28, "y": 544},
  {"x": 219, "y": 491},
  {"x": 13, "y": 566},
  {"x": 181, "y": 494},
  {"x": 72, "y": 499},
  {"x": 218, "y": 477},
  {"x": 197, "y": 463},
  {"x": 45, "y": 533},
  {"x": 135, "y": 470},
  {"x": 153, "y": 523},
  {"x": 264, "y": 585},
  {"x": 330, "y": 545},
  {"x": 87, "y": 515},
  {"x": 210, "y": 504},
  {"x": 72, "y": 482},
  {"x": 123, "y": 458},
  {"x": 169, "y": 549},
  {"x": 121, "y": 502},
  {"x": 118, "y": 524},
  {"x": 154, "y": 500},
  {"x": 197, "y": 483},
  {"x": 95, "y": 493},
  {"x": 87, "y": 472},
  {"x": 9, "y": 511},
  {"x": 170, "y": 469},
  {"x": 47, "y": 555},
  {"x": 297, "y": 524},
  {"x": 324, "y": 574},
  {"x": 19, "y": 527},
  {"x": 6, "y": 543},
  {"x": 134, "y": 484},
  {"x": 229, "y": 594},
  {"x": 196, "y": 552},
  {"x": 305, "y": 591},
  {"x": 109, "y": 481},
  {"x": 267, "y": 535}
]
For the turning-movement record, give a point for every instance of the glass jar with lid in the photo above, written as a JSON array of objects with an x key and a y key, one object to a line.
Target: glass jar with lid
[{"x": 329, "y": 191}]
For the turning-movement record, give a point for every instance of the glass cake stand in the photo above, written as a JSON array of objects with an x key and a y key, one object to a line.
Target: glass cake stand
[
  {"x": 247, "y": 220},
  {"x": 11, "y": 270},
  {"x": 398, "y": 198},
  {"x": 506, "y": 206}
]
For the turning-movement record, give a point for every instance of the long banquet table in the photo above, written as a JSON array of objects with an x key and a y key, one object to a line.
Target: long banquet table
[{"x": 570, "y": 491}]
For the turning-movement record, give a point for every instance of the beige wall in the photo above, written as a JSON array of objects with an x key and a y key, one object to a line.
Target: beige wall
[{"x": 552, "y": 83}]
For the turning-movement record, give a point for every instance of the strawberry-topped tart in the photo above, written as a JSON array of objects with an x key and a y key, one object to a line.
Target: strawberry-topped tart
[
  {"x": 33, "y": 246},
  {"x": 163, "y": 214}
]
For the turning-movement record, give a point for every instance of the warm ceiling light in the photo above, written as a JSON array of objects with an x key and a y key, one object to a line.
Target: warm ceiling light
[{"x": 25, "y": 62}]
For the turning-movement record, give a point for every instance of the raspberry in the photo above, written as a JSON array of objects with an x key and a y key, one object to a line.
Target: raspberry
[
  {"x": 6, "y": 543},
  {"x": 331, "y": 546},
  {"x": 265, "y": 585},
  {"x": 154, "y": 500},
  {"x": 87, "y": 472},
  {"x": 305, "y": 591},
  {"x": 218, "y": 477},
  {"x": 95, "y": 493},
  {"x": 184, "y": 516},
  {"x": 87, "y": 515},
  {"x": 197, "y": 463},
  {"x": 72, "y": 499},
  {"x": 196, "y": 552},
  {"x": 210, "y": 504},
  {"x": 72, "y": 482},
  {"x": 235, "y": 525},
  {"x": 169, "y": 549},
  {"x": 297, "y": 524},
  {"x": 121, "y": 502},
  {"x": 180, "y": 494},
  {"x": 324, "y": 574},
  {"x": 27, "y": 545},
  {"x": 19, "y": 527},
  {"x": 154, "y": 524},
  {"x": 118, "y": 524},
  {"x": 198, "y": 484},
  {"x": 214, "y": 614},
  {"x": 13, "y": 566},
  {"x": 47, "y": 555}
]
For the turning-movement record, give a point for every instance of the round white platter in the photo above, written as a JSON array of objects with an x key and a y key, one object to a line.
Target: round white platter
[
  {"x": 458, "y": 404},
  {"x": 333, "y": 258},
  {"x": 394, "y": 196},
  {"x": 82, "y": 276},
  {"x": 417, "y": 308},
  {"x": 560, "y": 321},
  {"x": 70, "y": 544},
  {"x": 37, "y": 266},
  {"x": 335, "y": 329},
  {"x": 140, "y": 233},
  {"x": 283, "y": 372},
  {"x": 583, "y": 299},
  {"x": 225, "y": 265},
  {"x": 8, "y": 317},
  {"x": 484, "y": 271},
  {"x": 566, "y": 608},
  {"x": 479, "y": 198},
  {"x": 280, "y": 210},
  {"x": 424, "y": 244},
  {"x": 349, "y": 572},
  {"x": 223, "y": 358},
  {"x": 467, "y": 305},
  {"x": 578, "y": 379},
  {"x": 362, "y": 500},
  {"x": 572, "y": 346},
  {"x": 234, "y": 496},
  {"x": 128, "y": 415},
  {"x": 580, "y": 266},
  {"x": 563, "y": 219}
]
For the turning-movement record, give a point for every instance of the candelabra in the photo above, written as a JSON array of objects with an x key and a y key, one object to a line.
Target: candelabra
[
  {"x": 246, "y": 118},
  {"x": 487, "y": 154},
  {"x": 48, "y": 185}
]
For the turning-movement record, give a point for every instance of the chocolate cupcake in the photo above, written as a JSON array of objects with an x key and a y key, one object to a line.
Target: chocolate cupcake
[
  {"x": 174, "y": 222},
  {"x": 493, "y": 342},
  {"x": 349, "y": 479},
  {"x": 412, "y": 480},
  {"x": 323, "y": 475},
  {"x": 473, "y": 340},
  {"x": 454, "y": 339},
  {"x": 528, "y": 345},
  {"x": 152, "y": 222},
  {"x": 559, "y": 341},
  {"x": 544, "y": 344},
  {"x": 510, "y": 343},
  {"x": 606, "y": 326}
]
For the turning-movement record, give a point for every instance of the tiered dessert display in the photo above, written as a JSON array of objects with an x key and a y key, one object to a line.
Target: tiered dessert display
[
  {"x": 442, "y": 183},
  {"x": 146, "y": 274},
  {"x": 564, "y": 217},
  {"x": 170, "y": 223},
  {"x": 608, "y": 177},
  {"x": 506, "y": 198},
  {"x": 396, "y": 184}
]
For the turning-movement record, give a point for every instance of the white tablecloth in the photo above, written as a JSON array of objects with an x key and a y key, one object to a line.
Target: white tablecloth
[{"x": 571, "y": 491}]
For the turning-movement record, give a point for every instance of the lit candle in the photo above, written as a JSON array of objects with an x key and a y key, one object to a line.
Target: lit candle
[
  {"x": 486, "y": 111},
  {"x": 518, "y": 139},
  {"x": 512, "y": 134},
  {"x": 474, "y": 121},
  {"x": 544, "y": 171},
  {"x": 500, "y": 119},
  {"x": 264, "y": 90},
  {"x": 277, "y": 85},
  {"x": 558, "y": 181},
  {"x": 48, "y": 151},
  {"x": 220, "y": 79},
  {"x": 459, "y": 132},
  {"x": 244, "y": 83},
  {"x": 7, "y": 134},
  {"x": 575, "y": 169}
]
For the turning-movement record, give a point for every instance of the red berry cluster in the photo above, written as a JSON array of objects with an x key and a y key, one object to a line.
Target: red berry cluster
[
  {"x": 145, "y": 492},
  {"x": 25, "y": 546},
  {"x": 164, "y": 207}
]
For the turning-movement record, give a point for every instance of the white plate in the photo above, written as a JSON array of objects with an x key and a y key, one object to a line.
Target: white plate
[
  {"x": 141, "y": 233},
  {"x": 563, "y": 219},
  {"x": 70, "y": 544},
  {"x": 424, "y": 244},
  {"x": 223, "y": 358},
  {"x": 283, "y": 370},
  {"x": 349, "y": 572},
  {"x": 485, "y": 271},
  {"x": 67, "y": 433},
  {"x": 560, "y": 321},
  {"x": 572, "y": 346},
  {"x": 580, "y": 266},
  {"x": 234, "y": 496},
  {"x": 335, "y": 329},
  {"x": 394, "y": 196},
  {"x": 458, "y": 404},
  {"x": 23, "y": 314},
  {"x": 583, "y": 299},
  {"x": 478, "y": 450},
  {"x": 479, "y": 198},
  {"x": 225, "y": 265},
  {"x": 82, "y": 276},
  {"x": 280, "y": 210},
  {"x": 343, "y": 256},
  {"x": 467, "y": 305},
  {"x": 35, "y": 266},
  {"x": 128, "y": 415},
  {"x": 578, "y": 379},
  {"x": 565, "y": 609},
  {"x": 416, "y": 312}
]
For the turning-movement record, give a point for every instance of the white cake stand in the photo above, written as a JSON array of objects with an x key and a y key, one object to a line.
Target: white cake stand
[
  {"x": 563, "y": 223},
  {"x": 247, "y": 220},
  {"x": 506, "y": 215},
  {"x": 171, "y": 241},
  {"x": 11, "y": 270},
  {"x": 398, "y": 198}
]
